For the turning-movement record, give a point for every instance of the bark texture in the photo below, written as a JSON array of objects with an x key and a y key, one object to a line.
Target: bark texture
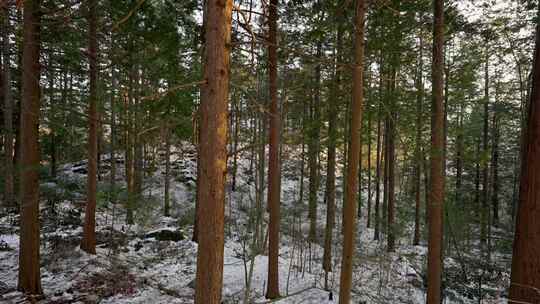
[
  {"x": 213, "y": 153},
  {"x": 331, "y": 167},
  {"x": 525, "y": 278},
  {"x": 417, "y": 150},
  {"x": 88, "y": 242},
  {"x": 274, "y": 176},
  {"x": 8, "y": 113},
  {"x": 349, "y": 219},
  {"x": 437, "y": 160},
  {"x": 29, "y": 272}
]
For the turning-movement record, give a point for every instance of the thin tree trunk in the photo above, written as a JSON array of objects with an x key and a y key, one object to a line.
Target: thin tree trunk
[
  {"x": 349, "y": 220},
  {"x": 314, "y": 147},
  {"x": 29, "y": 267},
  {"x": 197, "y": 128},
  {"x": 138, "y": 160},
  {"x": 313, "y": 152},
  {"x": 88, "y": 242},
  {"x": 331, "y": 167},
  {"x": 130, "y": 148},
  {"x": 274, "y": 175},
  {"x": 459, "y": 154},
  {"x": 391, "y": 158},
  {"x": 237, "y": 125},
  {"x": 477, "y": 178},
  {"x": 378, "y": 165},
  {"x": 113, "y": 134},
  {"x": 418, "y": 144},
  {"x": 9, "y": 173},
  {"x": 495, "y": 168},
  {"x": 437, "y": 160},
  {"x": 52, "y": 119},
  {"x": 485, "y": 167},
  {"x": 359, "y": 197},
  {"x": 195, "y": 237},
  {"x": 426, "y": 186},
  {"x": 213, "y": 153},
  {"x": 18, "y": 106},
  {"x": 369, "y": 171},
  {"x": 166, "y": 198},
  {"x": 261, "y": 171},
  {"x": 384, "y": 224}
]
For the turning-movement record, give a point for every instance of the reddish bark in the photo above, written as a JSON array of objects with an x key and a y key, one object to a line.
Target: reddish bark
[
  {"x": 88, "y": 242},
  {"x": 349, "y": 219},
  {"x": 437, "y": 161},
  {"x": 213, "y": 153},
  {"x": 525, "y": 279},
  {"x": 29, "y": 272},
  {"x": 274, "y": 178}
]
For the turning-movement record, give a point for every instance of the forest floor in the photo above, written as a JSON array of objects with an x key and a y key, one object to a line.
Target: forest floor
[{"x": 154, "y": 260}]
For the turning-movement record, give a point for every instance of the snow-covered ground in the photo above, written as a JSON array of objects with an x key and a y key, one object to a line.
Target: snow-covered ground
[{"x": 132, "y": 266}]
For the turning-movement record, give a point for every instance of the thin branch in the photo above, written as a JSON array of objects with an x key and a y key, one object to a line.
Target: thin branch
[{"x": 117, "y": 25}]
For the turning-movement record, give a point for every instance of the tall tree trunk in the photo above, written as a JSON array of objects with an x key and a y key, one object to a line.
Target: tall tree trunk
[
  {"x": 29, "y": 272},
  {"x": 197, "y": 122},
  {"x": 195, "y": 237},
  {"x": 349, "y": 231},
  {"x": 88, "y": 242},
  {"x": 112, "y": 181},
  {"x": 378, "y": 165},
  {"x": 18, "y": 105},
  {"x": 384, "y": 160},
  {"x": 9, "y": 173},
  {"x": 138, "y": 161},
  {"x": 426, "y": 186},
  {"x": 485, "y": 167},
  {"x": 446, "y": 96},
  {"x": 392, "y": 121},
  {"x": 437, "y": 160},
  {"x": 52, "y": 119},
  {"x": 261, "y": 171},
  {"x": 274, "y": 175},
  {"x": 213, "y": 153},
  {"x": 313, "y": 155},
  {"x": 346, "y": 151},
  {"x": 166, "y": 197},
  {"x": 369, "y": 171},
  {"x": 52, "y": 116},
  {"x": 459, "y": 154},
  {"x": 495, "y": 168},
  {"x": 128, "y": 124},
  {"x": 237, "y": 125},
  {"x": 391, "y": 158},
  {"x": 525, "y": 278},
  {"x": 418, "y": 144},
  {"x": 359, "y": 197},
  {"x": 477, "y": 178},
  {"x": 331, "y": 166}
]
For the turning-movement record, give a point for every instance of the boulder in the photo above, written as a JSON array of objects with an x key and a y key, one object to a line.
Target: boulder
[{"x": 166, "y": 234}]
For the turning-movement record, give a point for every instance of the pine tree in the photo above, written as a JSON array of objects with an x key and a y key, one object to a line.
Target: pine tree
[
  {"x": 213, "y": 153},
  {"x": 418, "y": 142},
  {"x": 437, "y": 160},
  {"x": 353, "y": 161},
  {"x": 331, "y": 158},
  {"x": 29, "y": 272},
  {"x": 9, "y": 173},
  {"x": 88, "y": 242},
  {"x": 525, "y": 278},
  {"x": 274, "y": 179}
]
